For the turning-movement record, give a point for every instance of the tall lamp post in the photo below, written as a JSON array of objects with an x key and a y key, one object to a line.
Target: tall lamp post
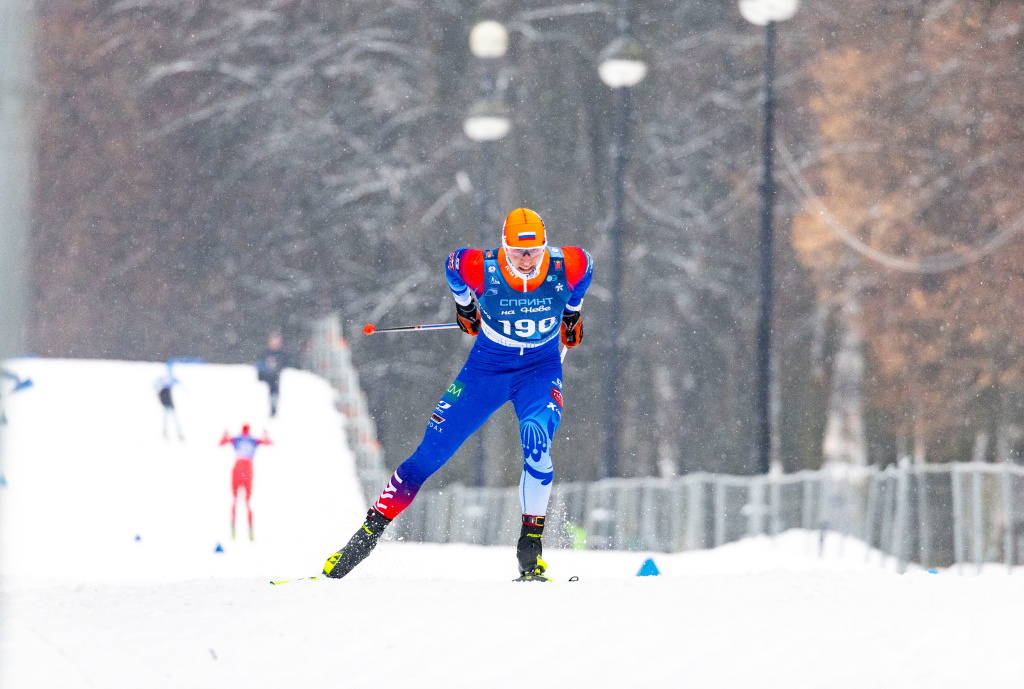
[
  {"x": 486, "y": 123},
  {"x": 766, "y": 13},
  {"x": 620, "y": 68}
]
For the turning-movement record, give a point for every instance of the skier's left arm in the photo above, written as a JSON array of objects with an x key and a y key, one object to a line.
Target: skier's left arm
[
  {"x": 579, "y": 270},
  {"x": 465, "y": 275}
]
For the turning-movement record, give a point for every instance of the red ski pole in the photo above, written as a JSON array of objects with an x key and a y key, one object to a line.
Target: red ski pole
[{"x": 370, "y": 329}]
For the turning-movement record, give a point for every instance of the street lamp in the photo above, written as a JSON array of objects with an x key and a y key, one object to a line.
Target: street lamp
[
  {"x": 488, "y": 40},
  {"x": 620, "y": 68},
  {"x": 766, "y": 13},
  {"x": 486, "y": 123}
]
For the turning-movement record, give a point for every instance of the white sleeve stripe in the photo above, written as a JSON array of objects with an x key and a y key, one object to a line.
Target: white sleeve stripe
[
  {"x": 463, "y": 299},
  {"x": 574, "y": 308}
]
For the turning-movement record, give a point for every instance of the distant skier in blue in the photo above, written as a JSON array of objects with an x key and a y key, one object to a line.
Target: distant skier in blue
[
  {"x": 524, "y": 296},
  {"x": 19, "y": 383},
  {"x": 163, "y": 387},
  {"x": 269, "y": 367}
]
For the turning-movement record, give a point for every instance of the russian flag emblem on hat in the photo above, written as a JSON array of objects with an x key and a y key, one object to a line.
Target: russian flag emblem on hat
[{"x": 523, "y": 228}]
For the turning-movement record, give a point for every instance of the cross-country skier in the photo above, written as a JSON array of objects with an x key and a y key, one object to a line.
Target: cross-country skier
[
  {"x": 526, "y": 295},
  {"x": 241, "y": 475},
  {"x": 269, "y": 367},
  {"x": 163, "y": 386}
]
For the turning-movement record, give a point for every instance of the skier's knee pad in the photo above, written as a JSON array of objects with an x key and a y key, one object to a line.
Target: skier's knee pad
[{"x": 536, "y": 450}]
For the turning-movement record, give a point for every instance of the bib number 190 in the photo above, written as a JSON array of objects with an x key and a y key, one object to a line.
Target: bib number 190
[{"x": 526, "y": 327}]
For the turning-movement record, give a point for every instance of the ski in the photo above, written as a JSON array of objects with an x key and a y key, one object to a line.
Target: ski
[
  {"x": 536, "y": 577},
  {"x": 288, "y": 581},
  {"x": 528, "y": 577}
]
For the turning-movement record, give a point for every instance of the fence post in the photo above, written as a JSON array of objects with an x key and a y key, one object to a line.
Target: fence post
[
  {"x": 900, "y": 520},
  {"x": 719, "y": 493},
  {"x": 886, "y": 538},
  {"x": 459, "y": 524},
  {"x": 754, "y": 510},
  {"x": 677, "y": 524},
  {"x": 622, "y": 514},
  {"x": 958, "y": 510},
  {"x": 775, "y": 497},
  {"x": 872, "y": 509},
  {"x": 976, "y": 519},
  {"x": 923, "y": 521},
  {"x": 1008, "y": 533},
  {"x": 807, "y": 506},
  {"x": 821, "y": 520},
  {"x": 695, "y": 513}
]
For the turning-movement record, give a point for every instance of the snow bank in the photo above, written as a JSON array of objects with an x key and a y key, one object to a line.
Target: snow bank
[{"x": 86, "y": 605}]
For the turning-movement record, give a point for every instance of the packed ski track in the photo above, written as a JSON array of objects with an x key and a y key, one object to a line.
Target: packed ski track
[{"x": 110, "y": 574}]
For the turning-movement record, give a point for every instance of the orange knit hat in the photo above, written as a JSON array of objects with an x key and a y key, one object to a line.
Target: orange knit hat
[{"x": 524, "y": 230}]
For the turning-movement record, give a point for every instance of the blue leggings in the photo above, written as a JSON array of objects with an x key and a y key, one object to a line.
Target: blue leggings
[{"x": 493, "y": 375}]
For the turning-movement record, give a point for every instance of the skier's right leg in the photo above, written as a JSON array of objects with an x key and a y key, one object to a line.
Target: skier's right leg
[
  {"x": 248, "y": 503},
  {"x": 234, "y": 503},
  {"x": 241, "y": 479},
  {"x": 538, "y": 404},
  {"x": 177, "y": 423},
  {"x": 274, "y": 385},
  {"x": 463, "y": 408}
]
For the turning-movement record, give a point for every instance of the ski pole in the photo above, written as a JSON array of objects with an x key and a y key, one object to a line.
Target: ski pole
[{"x": 370, "y": 329}]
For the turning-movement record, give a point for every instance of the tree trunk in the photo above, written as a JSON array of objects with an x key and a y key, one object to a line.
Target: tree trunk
[{"x": 844, "y": 440}]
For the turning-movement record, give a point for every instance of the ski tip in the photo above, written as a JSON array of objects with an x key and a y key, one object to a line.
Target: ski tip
[
  {"x": 288, "y": 581},
  {"x": 369, "y": 328}
]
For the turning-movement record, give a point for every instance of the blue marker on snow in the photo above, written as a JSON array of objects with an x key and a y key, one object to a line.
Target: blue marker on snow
[
  {"x": 218, "y": 549},
  {"x": 648, "y": 569}
]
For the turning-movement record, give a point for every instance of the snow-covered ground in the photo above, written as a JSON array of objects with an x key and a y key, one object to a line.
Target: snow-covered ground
[{"x": 109, "y": 575}]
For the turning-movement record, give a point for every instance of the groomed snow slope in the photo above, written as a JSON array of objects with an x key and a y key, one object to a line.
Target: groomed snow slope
[
  {"x": 88, "y": 470},
  {"x": 85, "y": 604}
]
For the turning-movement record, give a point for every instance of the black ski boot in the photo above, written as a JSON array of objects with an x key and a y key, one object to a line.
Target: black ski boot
[
  {"x": 528, "y": 550},
  {"x": 358, "y": 547}
]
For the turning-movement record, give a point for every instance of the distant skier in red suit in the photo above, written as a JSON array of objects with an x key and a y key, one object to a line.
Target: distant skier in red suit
[{"x": 241, "y": 475}]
